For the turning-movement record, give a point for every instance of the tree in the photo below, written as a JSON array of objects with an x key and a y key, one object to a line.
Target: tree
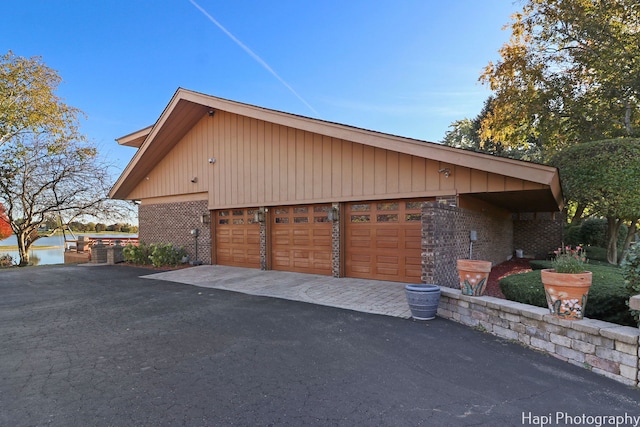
[
  {"x": 604, "y": 176},
  {"x": 569, "y": 74},
  {"x": 28, "y": 103},
  {"x": 47, "y": 168},
  {"x": 466, "y": 134},
  {"x": 5, "y": 224}
]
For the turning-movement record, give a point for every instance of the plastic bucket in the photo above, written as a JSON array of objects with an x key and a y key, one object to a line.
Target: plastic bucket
[{"x": 423, "y": 300}]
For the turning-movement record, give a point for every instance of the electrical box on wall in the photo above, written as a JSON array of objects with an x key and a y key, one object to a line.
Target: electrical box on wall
[{"x": 473, "y": 236}]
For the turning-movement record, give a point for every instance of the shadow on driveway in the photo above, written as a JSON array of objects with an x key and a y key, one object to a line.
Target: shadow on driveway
[{"x": 89, "y": 346}]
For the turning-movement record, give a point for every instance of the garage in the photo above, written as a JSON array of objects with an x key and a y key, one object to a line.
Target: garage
[
  {"x": 237, "y": 238},
  {"x": 301, "y": 239},
  {"x": 383, "y": 240}
]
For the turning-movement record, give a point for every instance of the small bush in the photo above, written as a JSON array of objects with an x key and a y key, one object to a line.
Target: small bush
[
  {"x": 593, "y": 232},
  {"x": 608, "y": 295},
  {"x": 6, "y": 260},
  {"x": 631, "y": 273},
  {"x": 163, "y": 255},
  {"x": 572, "y": 235},
  {"x": 157, "y": 254},
  {"x": 137, "y": 254}
]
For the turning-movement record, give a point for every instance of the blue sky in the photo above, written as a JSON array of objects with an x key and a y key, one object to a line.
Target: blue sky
[{"x": 408, "y": 67}]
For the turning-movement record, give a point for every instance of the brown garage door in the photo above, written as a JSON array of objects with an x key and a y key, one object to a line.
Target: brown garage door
[
  {"x": 237, "y": 238},
  {"x": 301, "y": 239},
  {"x": 383, "y": 240}
]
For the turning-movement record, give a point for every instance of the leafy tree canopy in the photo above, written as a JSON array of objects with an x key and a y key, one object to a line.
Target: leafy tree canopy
[
  {"x": 604, "y": 177},
  {"x": 568, "y": 74},
  {"x": 28, "y": 102}
]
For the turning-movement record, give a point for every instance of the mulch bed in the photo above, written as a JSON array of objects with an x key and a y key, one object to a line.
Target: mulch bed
[{"x": 513, "y": 266}]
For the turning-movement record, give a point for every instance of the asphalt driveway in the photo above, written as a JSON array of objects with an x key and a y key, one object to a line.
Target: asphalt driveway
[{"x": 98, "y": 346}]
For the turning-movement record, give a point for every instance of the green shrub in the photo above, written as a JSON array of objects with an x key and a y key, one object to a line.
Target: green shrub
[
  {"x": 168, "y": 254},
  {"x": 608, "y": 295},
  {"x": 137, "y": 254},
  {"x": 631, "y": 274},
  {"x": 6, "y": 260},
  {"x": 572, "y": 235},
  {"x": 538, "y": 264},
  {"x": 593, "y": 232}
]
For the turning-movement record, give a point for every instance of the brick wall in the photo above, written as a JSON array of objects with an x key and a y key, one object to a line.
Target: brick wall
[
  {"x": 173, "y": 222},
  {"x": 445, "y": 238},
  {"x": 336, "y": 239},
  {"x": 537, "y": 234}
]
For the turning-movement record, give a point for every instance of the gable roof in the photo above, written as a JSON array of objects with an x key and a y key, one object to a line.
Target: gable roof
[{"x": 187, "y": 107}]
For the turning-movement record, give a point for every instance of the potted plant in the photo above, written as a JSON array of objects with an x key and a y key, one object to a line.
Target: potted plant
[
  {"x": 567, "y": 283},
  {"x": 473, "y": 276}
]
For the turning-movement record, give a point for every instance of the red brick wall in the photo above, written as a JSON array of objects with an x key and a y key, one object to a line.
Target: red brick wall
[
  {"x": 446, "y": 237},
  {"x": 173, "y": 222},
  {"x": 537, "y": 234}
]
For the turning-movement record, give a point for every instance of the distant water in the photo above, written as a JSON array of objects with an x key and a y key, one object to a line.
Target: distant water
[{"x": 52, "y": 255}]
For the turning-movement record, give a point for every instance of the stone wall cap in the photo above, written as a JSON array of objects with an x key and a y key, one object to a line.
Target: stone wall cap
[
  {"x": 626, "y": 334},
  {"x": 634, "y": 302},
  {"x": 590, "y": 326}
]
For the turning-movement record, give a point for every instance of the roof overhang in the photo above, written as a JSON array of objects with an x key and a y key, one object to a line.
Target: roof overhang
[{"x": 187, "y": 107}]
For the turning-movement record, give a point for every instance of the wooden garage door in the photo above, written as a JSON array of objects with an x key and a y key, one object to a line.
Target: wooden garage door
[
  {"x": 237, "y": 238},
  {"x": 301, "y": 239},
  {"x": 383, "y": 240}
]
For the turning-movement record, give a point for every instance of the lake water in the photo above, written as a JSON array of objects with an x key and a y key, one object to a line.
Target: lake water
[{"x": 50, "y": 255}]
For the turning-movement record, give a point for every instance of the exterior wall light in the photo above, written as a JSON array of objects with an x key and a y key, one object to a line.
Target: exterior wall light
[
  {"x": 445, "y": 171},
  {"x": 333, "y": 214},
  {"x": 205, "y": 218},
  {"x": 259, "y": 215}
]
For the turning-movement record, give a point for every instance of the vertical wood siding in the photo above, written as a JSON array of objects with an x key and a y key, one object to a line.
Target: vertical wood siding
[{"x": 259, "y": 163}]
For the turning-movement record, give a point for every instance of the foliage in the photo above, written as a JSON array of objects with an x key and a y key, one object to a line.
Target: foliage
[
  {"x": 5, "y": 260},
  {"x": 567, "y": 75},
  {"x": 47, "y": 168},
  {"x": 605, "y": 177},
  {"x": 608, "y": 295},
  {"x": 631, "y": 272},
  {"x": 465, "y": 134},
  {"x": 572, "y": 235},
  {"x": 568, "y": 260},
  {"x": 159, "y": 255},
  {"x": 168, "y": 254},
  {"x": 593, "y": 232},
  {"x": 28, "y": 102},
  {"x": 5, "y": 224},
  {"x": 137, "y": 254}
]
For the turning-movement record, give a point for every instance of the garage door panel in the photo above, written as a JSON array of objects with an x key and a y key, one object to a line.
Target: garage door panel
[
  {"x": 387, "y": 232},
  {"x": 237, "y": 238},
  {"x": 301, "y": 236},
  {"x": 386, "y": 244},
  {"x": 383, "y": 240}
]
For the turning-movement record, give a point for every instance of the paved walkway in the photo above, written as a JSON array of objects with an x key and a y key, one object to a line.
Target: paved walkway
[{"x": 368, "y": 296}]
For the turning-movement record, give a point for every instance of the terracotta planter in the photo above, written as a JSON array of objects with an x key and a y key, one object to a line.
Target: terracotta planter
[
  {"x": 473, "y": 276},
  {"x": 566, "y": 293}
]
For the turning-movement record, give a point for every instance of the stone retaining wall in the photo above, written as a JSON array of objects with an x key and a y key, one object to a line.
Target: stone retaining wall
[{"x": 605, "y": 348}]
